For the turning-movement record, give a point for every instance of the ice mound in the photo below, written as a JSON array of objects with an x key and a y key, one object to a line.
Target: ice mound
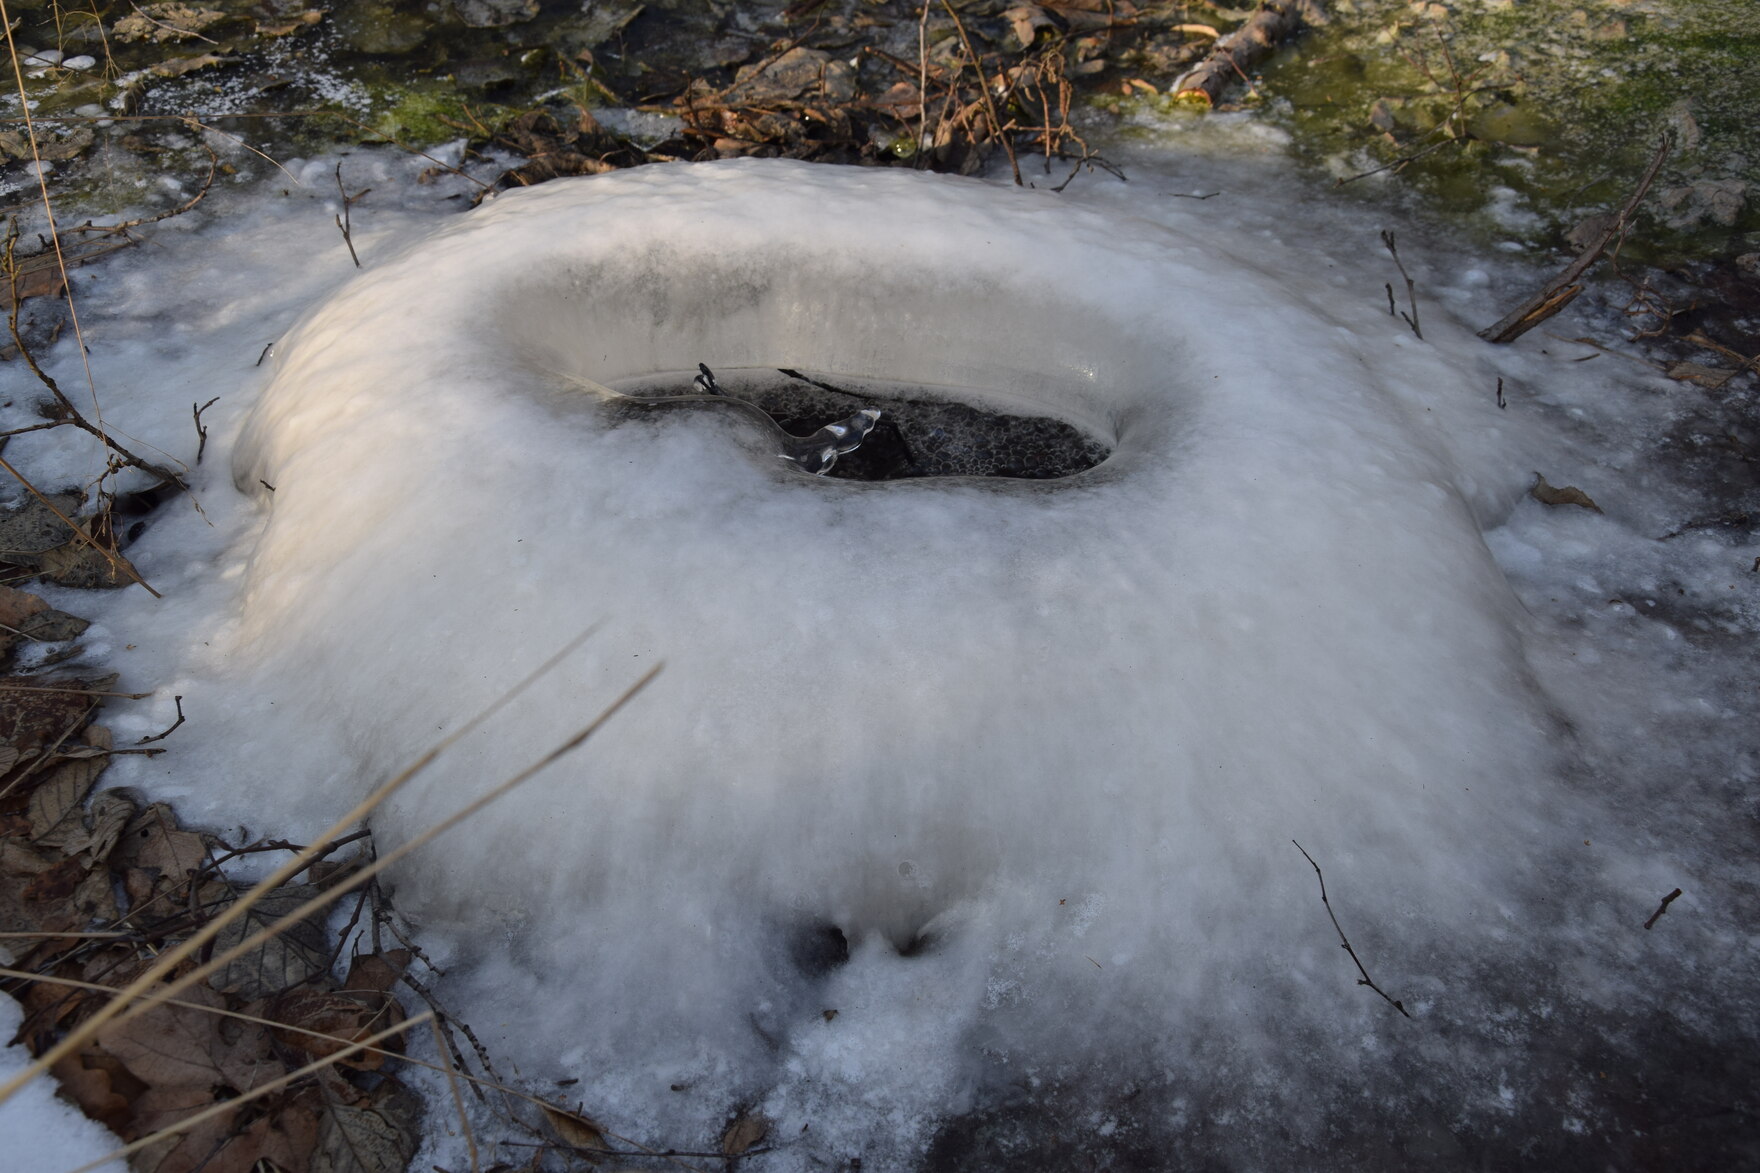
[{"x": 1003, "y": 772}]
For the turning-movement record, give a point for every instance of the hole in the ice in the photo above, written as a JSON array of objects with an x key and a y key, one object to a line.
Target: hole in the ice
[
  {"x": 817, "y": 949},
  {"x": 922, "y": 431}
]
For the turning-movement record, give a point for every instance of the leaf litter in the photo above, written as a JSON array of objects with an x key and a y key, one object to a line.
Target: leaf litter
[{"x": 93, "y": 886}]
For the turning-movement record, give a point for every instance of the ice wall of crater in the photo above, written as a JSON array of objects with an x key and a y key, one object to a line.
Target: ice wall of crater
[{"x": 1037, "y": 750}]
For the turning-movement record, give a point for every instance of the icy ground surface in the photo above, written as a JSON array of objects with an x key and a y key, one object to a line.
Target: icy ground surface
[{"x": 1036, "y": 751}]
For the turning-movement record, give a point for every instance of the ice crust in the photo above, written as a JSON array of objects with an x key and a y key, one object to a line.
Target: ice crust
[{"x": 1038, "y": 750}]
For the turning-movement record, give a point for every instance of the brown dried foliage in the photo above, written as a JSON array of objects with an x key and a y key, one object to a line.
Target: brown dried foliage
[{"x": 92, "y": 887}]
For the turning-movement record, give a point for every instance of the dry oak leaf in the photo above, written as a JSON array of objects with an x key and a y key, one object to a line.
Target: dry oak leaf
[
  {"x": 20, "y": 867},
  {"x": 33, "y": 527},
  {"x": 111, "y": 812},
  {"x": 152, "y": 841},
  {"x": 575, "y": 1130},
  {"x": 297, "y": 953},
  {"x": 56, "y": 811},
  {"x": 1027, "y": 20},
  {"x": 101, "y": 1085},
  {"x": 1088, "y": 15},
  {"x": 339, "y": 1018},
  {"x": 37, "y": 711},
  {"x": 178, "y": 66},
  {"x": 377, "y": 972},
  {"x": 85, "y": 565},
  {"x": 16, "y": 606},
  {"x": 363, "y": 1140},
  {"x": 746, "y": 1130},
  {"x": 183, "y": 1059},
  {"x": 299, "y": 20},
  {"x": 1568, "y": 495}
]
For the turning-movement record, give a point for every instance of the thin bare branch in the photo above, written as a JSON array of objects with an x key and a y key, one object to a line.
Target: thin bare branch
[
  {"x": 1365, "y": 980},
  {"x": 1563, "y": 289}
]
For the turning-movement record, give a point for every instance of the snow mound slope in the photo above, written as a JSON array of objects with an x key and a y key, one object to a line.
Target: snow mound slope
[{"x": 989, "y": 767}]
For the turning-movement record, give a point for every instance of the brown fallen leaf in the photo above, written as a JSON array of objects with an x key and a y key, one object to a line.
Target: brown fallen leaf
[
  {"x": 79, "y": 563},
  {"x": 95, "y": 897},
  {"x": 189, "y": 1056},
  {"x": 32, "y": 527},
  {"x": 1568, "y": 495},
  {"x": 111, "y": 812},
  {"x": 40, "y": 711},
  {"x": 16, "y": 606},
  {"x": 56, "y": 805},
  {"x": 178, "y": 66},
  {"x": 1700, "y": 374},
  {"x": 294, "y": 955},
  {"x": 282, "y": 28},
  {"x": 746, "y": 1130},
  {"x": 575, "y": 1130},
  {"x": 341, "y": 1017},
  {"x": 101, "y": 1085},
  {"x": 153, "y": 843},
  {"x": 39, "y": 275},
  {"x": 363, "y": 1140},
  {"x": 52, "y": 626},
  {"x": 49, "y": 894},
  {"x": 49, "y": 147},
  {"x": 1027, "y": 20},
  {"x": 377, "y": 972},
  {"x": 165, "y": 22},
  {"x": 1091, "y": 15},
  {"x": 20, "y": 866}
]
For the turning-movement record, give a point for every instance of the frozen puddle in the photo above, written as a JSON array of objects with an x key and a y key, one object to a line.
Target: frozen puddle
[
  {"x": 958, "y": 827},
  {"x": 920, "y": 432}
]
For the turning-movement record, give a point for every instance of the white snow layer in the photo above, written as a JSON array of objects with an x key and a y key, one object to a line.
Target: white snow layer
[
  {"x": 1038, "y": 750},
  {"x": 40, "y": 1133}
]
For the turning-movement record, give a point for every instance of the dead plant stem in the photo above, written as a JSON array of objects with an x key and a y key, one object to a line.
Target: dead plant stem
[
  {"x": 49, "y": 213},
  {"x": 464, "y": 1117},
  {"x": 996, "y": 126}
]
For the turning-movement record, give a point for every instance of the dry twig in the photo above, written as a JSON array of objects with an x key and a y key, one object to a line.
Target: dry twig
[
  {"x": 1662, "y": 908},
  {"x": 343, "y": 223},
  {"x": 1563, "y": 289},
  {"x": 1365, "y": 980},
  {"x": 1411, "y": 289}
]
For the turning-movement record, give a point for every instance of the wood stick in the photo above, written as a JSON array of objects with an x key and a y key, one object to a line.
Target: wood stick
[
  {"x": 1563, "y": 289},
  {"x": 1275, "y": 22}
]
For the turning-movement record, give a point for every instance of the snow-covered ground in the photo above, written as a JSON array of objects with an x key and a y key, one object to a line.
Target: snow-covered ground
[{"x": 1038, "y": 753}]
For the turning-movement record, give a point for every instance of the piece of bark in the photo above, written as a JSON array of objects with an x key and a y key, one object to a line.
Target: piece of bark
[{"x": 1275, "y": 22}]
